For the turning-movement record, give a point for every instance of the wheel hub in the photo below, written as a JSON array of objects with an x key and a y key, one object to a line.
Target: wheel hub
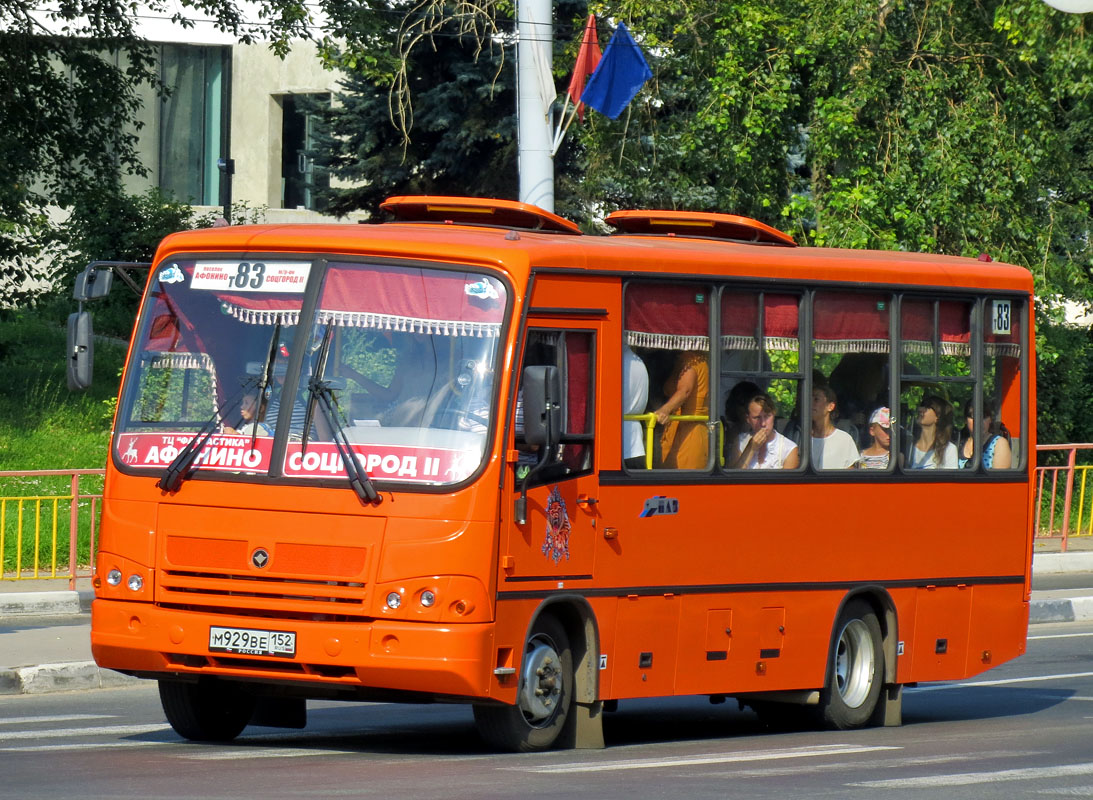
[
  {"x": 854, "y": 663},
  {"x": 542, "y": 684}
]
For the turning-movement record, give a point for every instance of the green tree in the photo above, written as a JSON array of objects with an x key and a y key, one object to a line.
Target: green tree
[
  {"x": 957, "y": 127},
  {"x": 453, "y": 132}
]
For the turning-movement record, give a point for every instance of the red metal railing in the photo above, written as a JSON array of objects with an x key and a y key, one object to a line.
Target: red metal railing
[
  {"x": 25, "y": 552},
  {"x": 1061, "y": 517}
]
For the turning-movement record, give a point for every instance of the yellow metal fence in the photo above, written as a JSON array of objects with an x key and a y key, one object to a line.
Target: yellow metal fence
[{"x": 48, "y": 523}]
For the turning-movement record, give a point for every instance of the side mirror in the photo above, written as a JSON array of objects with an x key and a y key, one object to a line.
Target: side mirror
[
  {"x": 81, "y": 351},
  {"x": 542, "y": 406},
  {"x": 93, "y": 282}
]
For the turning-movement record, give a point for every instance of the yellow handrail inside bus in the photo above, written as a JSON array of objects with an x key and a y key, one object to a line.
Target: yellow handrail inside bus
[{"x": 649, "y": 422}]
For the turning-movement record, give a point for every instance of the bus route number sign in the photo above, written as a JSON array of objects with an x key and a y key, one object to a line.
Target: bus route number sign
[
  {"x": 251, "y": 642},
  {"x": 1001, "y": 323}
]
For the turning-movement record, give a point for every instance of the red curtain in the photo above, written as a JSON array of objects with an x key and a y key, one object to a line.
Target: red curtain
[{"x": 668, "y": 316}]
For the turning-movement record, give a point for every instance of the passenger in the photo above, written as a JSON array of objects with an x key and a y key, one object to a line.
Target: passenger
[
  {"x": 878, "y": 454},
  {"x": 635, "y": 385},
  {"x": 831, "y": 448},
  {"x": 685, "y": 445},
  {"x": 997, "y": 453},
  {"x": 762, "y": 447},
  {"x": 934, "y": 448},
  {"x": 736, "y": 415}
]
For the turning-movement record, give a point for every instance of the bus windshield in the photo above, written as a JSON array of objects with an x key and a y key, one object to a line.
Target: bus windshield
[{"x": 405, "y": 354}]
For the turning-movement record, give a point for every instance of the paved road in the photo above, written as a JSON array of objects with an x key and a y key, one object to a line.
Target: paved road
[{"x": 1020, "y": 730}]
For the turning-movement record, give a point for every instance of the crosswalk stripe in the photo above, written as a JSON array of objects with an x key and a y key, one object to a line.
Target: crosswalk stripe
[
  {"x": 712, "y": 758},
  {"x": 53, "y": 718},
  {"x": 56, "y": 748},
  {"x": 94, "y": 730}
]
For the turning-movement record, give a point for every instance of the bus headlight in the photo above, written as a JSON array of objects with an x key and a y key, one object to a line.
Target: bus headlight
[
  {"x": 113, "y": 577},
  {"x": 394, "y": 600},
  {"x": 428, "y": 598},
  {"x": 136, "y": 582}
]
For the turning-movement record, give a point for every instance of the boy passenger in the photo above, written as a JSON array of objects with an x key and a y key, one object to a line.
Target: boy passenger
[
  {"x": 762, "y": 447},
  {"x": 831, "y": 447}
]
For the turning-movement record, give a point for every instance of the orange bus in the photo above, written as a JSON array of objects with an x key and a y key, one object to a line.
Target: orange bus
[{"x": 473, "y": 455}]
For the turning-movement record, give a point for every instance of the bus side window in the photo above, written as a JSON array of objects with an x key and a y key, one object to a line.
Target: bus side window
[
  {"x": 850, "y": 361},
  {"x": 760, "y": 357},
  {"x": 1003, "y": 405},
  {"x": 936, "y": 380},
  {"x": 668, "y": 326},
  {"x": 572, "y": 352}
]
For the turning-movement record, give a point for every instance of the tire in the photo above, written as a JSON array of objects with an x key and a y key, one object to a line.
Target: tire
[
  {"x": 206, "y": 711},
  {"x": 544, "y": 696},
  {"x": 855, "y": 671}
]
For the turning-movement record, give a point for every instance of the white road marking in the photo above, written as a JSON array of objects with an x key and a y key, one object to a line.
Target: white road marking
[
  {"x": 712, "y": 758},
  {"x": 100, "y": 730},
  {"x": 253, "y": 753},
  {"x": 974, "y": 778},
  {"x": 54, "y": 718},
  {"x": 1058, "y": 636},
  {"x": 884, "y": 762},
  {"x": 1002, "y": 682},
  {"x": 55, "y": 748}
]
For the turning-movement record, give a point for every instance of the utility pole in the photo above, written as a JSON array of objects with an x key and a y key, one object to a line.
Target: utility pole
[{"x": 534, "y": 54}]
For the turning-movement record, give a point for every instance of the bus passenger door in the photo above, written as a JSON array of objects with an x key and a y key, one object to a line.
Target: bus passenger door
[{"x": 557, "y": 541}]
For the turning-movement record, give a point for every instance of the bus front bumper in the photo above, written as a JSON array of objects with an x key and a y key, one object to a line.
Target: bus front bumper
[{"x": 432, "y": 659}]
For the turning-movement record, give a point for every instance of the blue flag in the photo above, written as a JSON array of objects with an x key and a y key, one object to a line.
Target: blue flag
[{"x": 620, "y": 74}]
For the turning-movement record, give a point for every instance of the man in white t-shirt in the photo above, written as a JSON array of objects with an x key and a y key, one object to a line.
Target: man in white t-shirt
[
  {"x": 831, "y": 447},
  {"x": 635, "y": 382}
]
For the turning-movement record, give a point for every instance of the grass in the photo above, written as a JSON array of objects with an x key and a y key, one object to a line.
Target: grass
[{"x": 45, "y": 426}]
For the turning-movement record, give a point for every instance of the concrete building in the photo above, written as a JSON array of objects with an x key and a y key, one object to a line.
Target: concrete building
[{"x": 231, "y": 103}]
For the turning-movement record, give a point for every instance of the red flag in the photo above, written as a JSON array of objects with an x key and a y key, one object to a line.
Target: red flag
[{"x": 588, "y": 57}]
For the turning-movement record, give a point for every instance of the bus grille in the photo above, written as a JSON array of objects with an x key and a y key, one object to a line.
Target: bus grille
[{"x": 251, "y": 594}]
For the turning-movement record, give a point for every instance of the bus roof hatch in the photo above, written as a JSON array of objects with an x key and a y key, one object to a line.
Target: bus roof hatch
[
  {"x": 698, "y": 224},
  {"x": 476, "y": 211}
]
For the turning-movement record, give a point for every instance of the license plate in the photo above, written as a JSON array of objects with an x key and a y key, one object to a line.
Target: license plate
[{"x": 251, "y": 642}]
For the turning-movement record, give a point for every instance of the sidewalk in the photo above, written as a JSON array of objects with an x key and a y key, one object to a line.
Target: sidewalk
[{"x": 45, "y": 632}]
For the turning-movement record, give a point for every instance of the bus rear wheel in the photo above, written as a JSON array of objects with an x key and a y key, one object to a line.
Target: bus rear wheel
[
  {"x": 856, "y": 669},
  {"x": 543, "y": 699},
  {"x": 206, "y": 711}
]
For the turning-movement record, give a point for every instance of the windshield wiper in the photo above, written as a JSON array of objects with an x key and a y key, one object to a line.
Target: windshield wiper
[
  {"x": 267, "y": 379},
  {"x": 179, "y": 469},
  {"x": 321, "y": 394}
]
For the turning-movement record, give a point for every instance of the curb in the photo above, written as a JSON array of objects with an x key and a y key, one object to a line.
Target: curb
[
  {"x": 1059, "y": 563},
  {"x": 43, "y": 604},
  {"x": 71, "y": 676},
  {"x": 1063, "y": 609}
]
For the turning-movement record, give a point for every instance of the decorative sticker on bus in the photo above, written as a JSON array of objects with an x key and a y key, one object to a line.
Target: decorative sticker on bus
[
  {"x": 387, "y": 462},
  {"x": 222, "y": 451},
  {"x": 660, "y": 505},
  {"x": 557, "y": 527},
  {"x": 251, "y": 276}
]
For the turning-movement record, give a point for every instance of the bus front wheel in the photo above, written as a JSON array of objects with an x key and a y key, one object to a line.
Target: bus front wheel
[
  {"x": 855, "y": 670},
  {"x": 543, "y": 699},
  {"x": 206, "y": 711}
]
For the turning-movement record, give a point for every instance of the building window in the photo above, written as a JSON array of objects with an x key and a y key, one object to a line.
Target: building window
[
  {"x": 298, "y": 178},
  {"x": 193, "y": 121}
]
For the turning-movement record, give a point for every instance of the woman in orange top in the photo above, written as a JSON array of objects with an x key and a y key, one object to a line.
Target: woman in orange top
[{"x": 685, "y": 445}]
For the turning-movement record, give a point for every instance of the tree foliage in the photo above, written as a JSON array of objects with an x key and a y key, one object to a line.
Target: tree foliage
[
  {"x": 431, "y": 111},
  {"x": 957, "y": 127}
]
